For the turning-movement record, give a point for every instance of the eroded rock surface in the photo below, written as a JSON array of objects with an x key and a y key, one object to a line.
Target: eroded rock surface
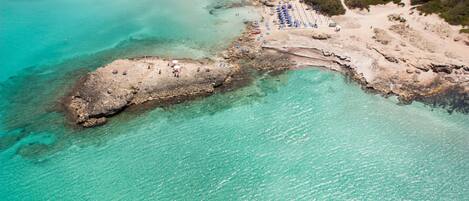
[{"x": 122, "y": 83}]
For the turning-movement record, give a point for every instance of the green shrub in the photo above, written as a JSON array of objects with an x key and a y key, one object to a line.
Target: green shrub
[
  {"x": 455, "y": 12},
  {"x": 365, "y": 4},
  {"x": 328, "y": 7}
]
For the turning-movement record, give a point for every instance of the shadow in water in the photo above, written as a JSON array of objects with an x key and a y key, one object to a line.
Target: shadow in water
[
  {"x": 34, "y": 127},
  {"x": 32, "y": 123}
]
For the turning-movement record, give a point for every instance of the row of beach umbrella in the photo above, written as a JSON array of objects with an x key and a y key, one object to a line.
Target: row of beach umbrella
[{"x": 284, "y": 16}]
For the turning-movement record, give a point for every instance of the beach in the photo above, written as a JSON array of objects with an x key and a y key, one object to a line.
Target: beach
[
  {"x": 391, "y": 49},
  {"x": 200, "y": 100}
]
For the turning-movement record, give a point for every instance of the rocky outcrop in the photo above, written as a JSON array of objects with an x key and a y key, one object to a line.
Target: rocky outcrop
[
  {"x": 268, "y": 3},
  {"x": 320, "y": 36},
  {"x": 122, "y": 83},
  {"x": 381, "y": 69},
  {"x": 438, "y": 68},
  {"x": 396, "y": 18},
  {"x": 268, "y": 62},
  {"x": 131, "y": 82},
  {"x": 387, "y": 56},
  {"x": 413, "y": 37},
  {"x": 382, "y": 36}
]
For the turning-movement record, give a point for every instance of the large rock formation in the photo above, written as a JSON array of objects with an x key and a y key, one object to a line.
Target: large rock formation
[
  {"x": 433, "y": 79},
  {"x": 123, "y": 83}
]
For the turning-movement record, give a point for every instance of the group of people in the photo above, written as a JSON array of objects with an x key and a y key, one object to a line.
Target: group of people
[{"x": 176, "y": 68}]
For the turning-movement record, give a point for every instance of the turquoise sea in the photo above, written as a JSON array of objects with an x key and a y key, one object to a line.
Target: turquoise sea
[{"x": 304, "y": 135}]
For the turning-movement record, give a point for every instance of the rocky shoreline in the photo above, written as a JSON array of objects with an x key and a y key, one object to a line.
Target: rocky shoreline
[
  {"x": 132, "y": 82},
  {"x": 447, "y": 87},
  {"x": 123, "y": 83},
  {"x": 390, "y": 50},
  {"x": 394, "y": 62}
]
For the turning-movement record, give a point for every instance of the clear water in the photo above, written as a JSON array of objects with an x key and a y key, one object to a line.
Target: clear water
[
  {"x": 45, "y": 32},
  {"x": 304, "y": 135}
]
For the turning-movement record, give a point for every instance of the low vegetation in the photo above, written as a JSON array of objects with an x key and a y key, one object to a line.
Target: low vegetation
[
  {"x": 365, "y": 4},
  {"x": 327, "y": 7},
  {"x": 455, "y": 12}
]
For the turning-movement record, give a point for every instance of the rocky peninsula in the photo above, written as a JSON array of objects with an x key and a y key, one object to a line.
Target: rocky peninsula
[
  {"x": 114, "y": 87},
  {"x": 126, "y": 82},
  {"x": 390, "y": 50}
]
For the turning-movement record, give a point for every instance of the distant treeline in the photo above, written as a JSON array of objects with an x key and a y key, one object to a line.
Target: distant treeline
[
  {"x": 334, "y": 7},
  {"x": 365, "y": 4},
  {"x": 455, "y": 12},
  {"x": 328, "y": 7}
]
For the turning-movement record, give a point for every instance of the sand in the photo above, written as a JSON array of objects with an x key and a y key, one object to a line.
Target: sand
[{"x": 391, "y": 48}]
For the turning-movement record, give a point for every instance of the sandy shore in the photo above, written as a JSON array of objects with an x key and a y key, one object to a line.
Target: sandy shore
[{"x": 390, "y": 49}]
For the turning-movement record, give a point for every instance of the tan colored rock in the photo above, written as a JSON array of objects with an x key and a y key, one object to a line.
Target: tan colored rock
[
  {"x": 413, "y": 37},
  {"x": 382, "y": 36},
  {"x": 102, "y": 93},
  {"x": 396, "y": 17},
  {"x": 320, "y": 36},
  {"x": 268, "y": 3}
]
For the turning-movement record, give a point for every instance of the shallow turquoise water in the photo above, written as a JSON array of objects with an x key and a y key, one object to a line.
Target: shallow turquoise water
[
  {"x": 304, "y": 135},
  {"x": 38, "y": 33}
]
